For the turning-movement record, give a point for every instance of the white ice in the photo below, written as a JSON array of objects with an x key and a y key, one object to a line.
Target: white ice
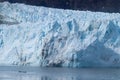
[{"x": 39, "y": 36}]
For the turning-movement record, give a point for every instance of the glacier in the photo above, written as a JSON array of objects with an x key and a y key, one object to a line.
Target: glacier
[{"x": 47, "y": 37}]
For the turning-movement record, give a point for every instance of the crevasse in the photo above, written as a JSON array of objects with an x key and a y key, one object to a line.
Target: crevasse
[{"x": 39, "y": 36}]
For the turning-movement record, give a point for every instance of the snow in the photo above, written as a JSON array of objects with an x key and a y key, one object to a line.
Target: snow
[{"x": 40, "y": 36}]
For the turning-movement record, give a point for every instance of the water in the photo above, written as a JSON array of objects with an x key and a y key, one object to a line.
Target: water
[{"x": 30, "y": 73}]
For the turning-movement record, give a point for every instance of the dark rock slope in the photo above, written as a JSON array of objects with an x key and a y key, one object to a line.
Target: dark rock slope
[{"x": 92, "y": 5}]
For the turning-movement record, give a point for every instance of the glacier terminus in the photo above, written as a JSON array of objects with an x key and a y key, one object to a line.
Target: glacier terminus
[{"x": 47, "y": 37}]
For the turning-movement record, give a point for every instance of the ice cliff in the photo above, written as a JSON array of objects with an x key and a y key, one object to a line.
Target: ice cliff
[{"x": 39, "y": 36}]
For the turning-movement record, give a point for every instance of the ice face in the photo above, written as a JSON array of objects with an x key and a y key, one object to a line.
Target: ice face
[{"x": 39, "y": 36}]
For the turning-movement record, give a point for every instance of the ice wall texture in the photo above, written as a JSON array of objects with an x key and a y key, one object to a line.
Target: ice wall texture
[{"x": 39, "y": 36}]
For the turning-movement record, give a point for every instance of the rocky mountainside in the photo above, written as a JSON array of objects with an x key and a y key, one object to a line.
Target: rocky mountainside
[{"x": 92, "y": 5}]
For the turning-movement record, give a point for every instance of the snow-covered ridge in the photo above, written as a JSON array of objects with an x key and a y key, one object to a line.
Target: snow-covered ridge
[{"x": 40, "y": 36}]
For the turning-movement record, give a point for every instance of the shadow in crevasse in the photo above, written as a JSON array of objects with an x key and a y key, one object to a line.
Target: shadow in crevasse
[
  {"x": 97, "y": 55},
  {"x": 7, "y": 20}
]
